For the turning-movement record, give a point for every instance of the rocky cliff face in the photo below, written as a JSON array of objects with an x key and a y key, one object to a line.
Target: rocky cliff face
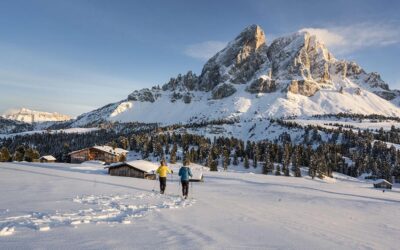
[
  {"x": 299, "y": 63},
  {"x": 238, "y": 62}
]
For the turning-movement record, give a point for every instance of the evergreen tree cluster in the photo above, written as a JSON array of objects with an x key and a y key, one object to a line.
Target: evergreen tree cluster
[{"x": 321, "y": 150}]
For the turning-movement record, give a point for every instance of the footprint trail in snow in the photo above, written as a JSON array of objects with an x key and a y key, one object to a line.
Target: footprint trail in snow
[{"x": 111, "y": 209}]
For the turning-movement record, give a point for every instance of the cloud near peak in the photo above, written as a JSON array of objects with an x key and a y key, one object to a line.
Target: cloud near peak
[{"x": 346, "y": 39}]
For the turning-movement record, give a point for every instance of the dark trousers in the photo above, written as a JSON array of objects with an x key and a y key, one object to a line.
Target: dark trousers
[
  {"x": 185, "y": 188},
  {"x": 163, "y": 183}
]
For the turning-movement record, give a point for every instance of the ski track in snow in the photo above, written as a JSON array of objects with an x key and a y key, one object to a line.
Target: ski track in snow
[{"x": 111, "y": 209}]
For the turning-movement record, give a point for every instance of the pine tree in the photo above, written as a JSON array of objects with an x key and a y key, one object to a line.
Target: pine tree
[
  {"x": 167, "y": 149},
  {"x": 235, "y": 159},
  {"x": 158, "y": 150},
  {"x": 255, "y": 162},
  {"x": 209, "y": 161},
  {"x": 313, "y": 166},
  {"x": 4, "y": 155},
  {"x": 278, "y": 170},
  {"x": 267, "y": 165},
  {"x": 172, "y": 159},
  {"x": 19, "y": 153},
  {"x": 396, "y": 170},
  {"x": 65, "y": 157},
  {"x": 186, "y": 159},
  {"x": 296, "y": 162},
  {"x": 286, "y": 160},
  {"x": 246, "y": 162},
  {"x": 256, "y": 156},
  {"x": 286, "y": 171},
  {"x": 31, "y": 155},
  {"x": 226, "y": 159},
  {"x": 123, "y": 141},
  {"x": 212, "y": 164}
]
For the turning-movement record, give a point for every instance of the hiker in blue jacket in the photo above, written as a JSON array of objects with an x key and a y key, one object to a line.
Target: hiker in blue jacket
[{"x": 185, "y": 173}]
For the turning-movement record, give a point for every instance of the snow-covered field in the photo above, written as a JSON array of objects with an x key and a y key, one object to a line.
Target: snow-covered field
[{"x": 68, "y": 206}]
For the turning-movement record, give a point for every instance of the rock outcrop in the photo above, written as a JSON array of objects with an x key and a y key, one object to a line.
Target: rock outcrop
[
  {"x": 262, "y": 85},
  {"x": 144, "y": 95},
  {"x": 223, "y": 91},
  {"x": 303, "y": 87}
]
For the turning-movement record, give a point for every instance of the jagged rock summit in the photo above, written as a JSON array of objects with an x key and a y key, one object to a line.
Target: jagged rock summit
[{"x": 252, "y": 80}]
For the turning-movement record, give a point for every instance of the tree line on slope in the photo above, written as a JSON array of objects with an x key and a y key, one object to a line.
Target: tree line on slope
[{"x": 345, "y": 151}]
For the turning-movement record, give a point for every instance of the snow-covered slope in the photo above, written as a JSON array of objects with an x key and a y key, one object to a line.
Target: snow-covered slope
[
  {"x": 31, "y": 116},
  {"x": 77, "y": 206},
  {"x": 251, "y": 80},
  {"x": 10, "y": 126}
]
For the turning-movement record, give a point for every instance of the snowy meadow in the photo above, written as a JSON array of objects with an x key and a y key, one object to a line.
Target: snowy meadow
[{"x": 78, "y": 206}]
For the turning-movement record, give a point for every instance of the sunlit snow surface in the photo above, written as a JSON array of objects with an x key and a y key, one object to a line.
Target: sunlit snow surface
[{"x": 77, "y": 207}]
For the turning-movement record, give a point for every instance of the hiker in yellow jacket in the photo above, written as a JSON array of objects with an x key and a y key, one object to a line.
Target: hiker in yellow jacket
[{"x": 162, "y": 172}]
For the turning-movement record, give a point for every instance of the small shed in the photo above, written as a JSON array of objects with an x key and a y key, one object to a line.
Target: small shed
[
  {"x": 382, "y": 183},
  {"x": 138, "y": 169},
  {"x": 197, "y": 172},
  {"x": 47, "y": 158},
  {"x": 197, "y": 176}
]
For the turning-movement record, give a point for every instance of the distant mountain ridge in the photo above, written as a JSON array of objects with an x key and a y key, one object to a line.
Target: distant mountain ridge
[{"x": 32, "y": 116}]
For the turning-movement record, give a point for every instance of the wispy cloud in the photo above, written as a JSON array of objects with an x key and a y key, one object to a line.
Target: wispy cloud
[
  {"x": 346, "y": 39},
  {"x": 204, "y": 50}
]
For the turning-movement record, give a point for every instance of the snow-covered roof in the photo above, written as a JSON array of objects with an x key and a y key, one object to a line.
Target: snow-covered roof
[
  {"x": 381, "y": 180},
  {"x": 108, "y": 149},
  {"x": 48, "y": 157},
  {"x": 145, "y": 166}
]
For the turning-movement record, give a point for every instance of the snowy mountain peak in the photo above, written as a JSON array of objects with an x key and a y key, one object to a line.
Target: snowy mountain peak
[
  {"x": 252, "y": 37},
  {"x": 238, "y": 61},
  {"x": 31, "y": 116},
  {"x": 249, "y": 81}
]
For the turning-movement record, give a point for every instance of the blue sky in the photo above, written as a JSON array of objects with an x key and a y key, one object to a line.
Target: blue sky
[{"x": 76, "y": 55}]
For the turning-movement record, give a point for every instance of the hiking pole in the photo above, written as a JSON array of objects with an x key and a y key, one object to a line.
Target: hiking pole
[
  {"x": 191, "y": 187},
  {"x": 155, "y": 181}
]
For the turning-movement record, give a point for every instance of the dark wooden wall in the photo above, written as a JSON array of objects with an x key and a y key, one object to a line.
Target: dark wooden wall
[{"x": 126, "y": 171}]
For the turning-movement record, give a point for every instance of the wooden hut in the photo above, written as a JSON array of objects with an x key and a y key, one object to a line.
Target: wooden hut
[
  {"x": 47, "y": 158},
  {"x": 100, "y": 153},
  {"x": 138, "y": 169},
  {"x": 382, "y": 183}
]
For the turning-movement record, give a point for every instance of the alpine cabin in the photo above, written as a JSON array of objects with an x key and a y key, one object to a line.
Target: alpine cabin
[
  {"x": 382, "y": 183},
  {"x": 100, "y": 153}
]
